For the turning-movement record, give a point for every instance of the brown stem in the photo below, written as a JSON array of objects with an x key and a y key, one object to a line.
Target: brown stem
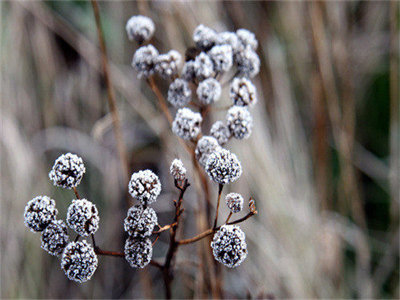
[
  {"x": 220, "y": 187},
  {"x": 76, "y": 193},
  {"x": 229, "y": 216},
  {"x": 161, "y": 99},
  {"x": 111, "y": 95},
  {"x": 173, "y": 245},
  {"x": 164, "y": 228},
  {"x": 212, "y": 230},
  {"x": 99, "y": 251}
]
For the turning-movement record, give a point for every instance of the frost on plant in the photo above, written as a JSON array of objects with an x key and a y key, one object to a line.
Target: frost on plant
[
  {"x": 220, "y": 132},
  {"x": 67, "y": 171},
  {"x": 205, "y": 146},
  {"x": 229, "y": 246},
  {"x": 140, "y": 28},
  {"x": 179, "y": 93},
  {"x": 204, "y": 37},
  {"x": 83, "y": 217},
  {"x": 187, "y": 124},
  {"x": 167, "y": 64},
  {"x": 39, "y": 212},
  {"x": 222, "y": 57},
  {"x": 240, "y": 122},
  {"x": 138, "y": 252},
  {"x": 223, "y": 167},
  {"x": 243, "y": 92},
  {"x": 79, "y": 261},
  {"x": 203, "y": 66},
  {"x": 55, "y": 237},
  {"x": 140, "y": 221},
  {"x": 144, "y": 60},
  {"x": 234, "y": 201},
  {"x": 145, "y": 186},
  {"x": 208, "y": 91},
  {"x": 177, "y": 170}
]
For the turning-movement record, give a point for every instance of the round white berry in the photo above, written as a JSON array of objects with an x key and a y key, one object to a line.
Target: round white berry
[
  {"x": 67, "y": 171},
  {"x": 234, "y": 201},
  {"x": 204, "y": 37},
  {"x": 247, "y": 38},
  {"x": 222, "y": 57},
  {"x": 138, "y": 252},
  {"x": 231, "y": 39},
  {"x": 220, "y": 132},
  {"x": 223, "y": 167},
  {"x": 248, "y": 62},
  {"x": 243, "y": 92},
  {"x": 179, "y": 93},
  {"x": 187, "y": 124},
  {"x": 177, "y": 170},
  {"x": 39, "y": 212},
  {"x": 145, "y": 186},
  {"x": 167, "y": 64},
  {"x": 240, "y": 122},
  {"x": 55, "y": 237},
  {"x": 205, "y": 146},
  {"x": 203, "y": 66},
  {"x": 144, "y": 60},
  {"x": 209, "y": 91},
  {"x": 140, "y": 28},
  {"x": 140, "y": 221},
  {"x": 83, "y": 217}
]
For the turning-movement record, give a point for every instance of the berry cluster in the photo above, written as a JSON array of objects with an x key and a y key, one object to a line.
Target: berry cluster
[
  {"x": 198, "y": 84},
  {"x": 78, "y": 259}
]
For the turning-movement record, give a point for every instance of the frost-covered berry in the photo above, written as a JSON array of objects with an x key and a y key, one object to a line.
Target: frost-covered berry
[
  {"x": 83, "y": 217},
  {"x": 138, "y": 252},
  {"x": 240, "y": 122},
  {"x": 229, "y": 246},
  {"x": 220, "y": 132},
  {"x": 209, "y": 91},
  {"x": 167, "y": 64},
  {"x": 55, "y": 237},
  {"x": 222, "y": 57},
  {"x": 229, "y": 38},
  {"x": 67, "y": 171},
  {"x": 39, "y": 212},
  {"x": 187, "y": 124},
  {"x": 234, "y": 201},
  {"x": 140, "y": 221},
  {"x": 79, "y": 261},
  {"x": 179, "y": 93},
  {"x": 188, "y": 71},
  {"x": 140, "y": 28},
  {"x": 247, "y": 38},
  {"x": 204, "y": 37},
  {"x": 203, "y": 66},
  {"x": 248, "y": 62},
  {"x": 144, "y": 60},
  {"x": 205, "y": 146},
  {"x": 223, "y": 167},
  {"x": 177, "y": 170},
  {"x": 145, "y": 186},
  {"x": 243, "y": 92}
]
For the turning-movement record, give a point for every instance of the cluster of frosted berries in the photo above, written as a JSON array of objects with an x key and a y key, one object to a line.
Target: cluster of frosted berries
[
  {"x": 177, "y": 170},
  {"x": 145, "y": 186},
  {"x": 83, "y": 217},
  {"x": 223, "y": 167},
  {"x": 39, "y": 212},
  {"x": 140, "y": 28},
  {"x": 55, "y": 237},
  {"x": 79, "y": 261},
  {"x": 234, "y": 201},
  {"x": 187, "y": 124},
  {"x": 239, "y": 122},
  {"x": 67, "y": 171},
  {"x": 140, "y": 221},
  {"x": 205, "y": 146},
  {"x": 229, "y": 246},
  {"x": 138, "y": 252}
]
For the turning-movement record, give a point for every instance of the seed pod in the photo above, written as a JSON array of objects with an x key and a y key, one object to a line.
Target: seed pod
[
  {"x": 145, "y": 186},
  {"x": 67, "y": 171},
  {"x": 138, "y": 252},
  {"x": 140, "y": 221},
  {"x": 83, "y": 217},
  {"x": 55, "y": 237},
  {"x": 39, "y": 212}
]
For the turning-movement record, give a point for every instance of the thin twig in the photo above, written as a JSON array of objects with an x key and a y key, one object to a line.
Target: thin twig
[
  {"x": 111, "y": 95},
  {"x": 76, "y": 193},
  {"x": 164, "y": 228},
  {"x": 220, "y": 187},
  {"x": 161, "y": 99},
  {"x": 229, "y": 216}
]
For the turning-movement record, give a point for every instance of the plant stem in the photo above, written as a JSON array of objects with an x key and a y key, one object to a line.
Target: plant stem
[
  {"x": 161, "y": 99},
  {"x": 121, "y": 147},
  {"x": 229, "y": 216},
  {"x": 76, "y": 193},
  {"x": 220, "y": 187},
  {"x": 164, "y": 228}
]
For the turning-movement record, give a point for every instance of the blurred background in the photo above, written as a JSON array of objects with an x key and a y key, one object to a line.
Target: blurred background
[{"x": 322, "y": 162}]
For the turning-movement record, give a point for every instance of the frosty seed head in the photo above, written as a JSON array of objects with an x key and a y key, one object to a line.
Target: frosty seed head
[
  {"x": 179, "y": 93},
  {"x": 220, "y": 132},
  {"x": 138, "y": 251},
  {"x": 188, "y": 71},
  {"x": 229, "y": 38},
  {"x": 223, "y": 167},
  {"x": 177, "y": 170},
  {"x": 83, "y": 217},
  {"x": 243, "y": 92},
  {"x": 140, "y": 28},
  {"x": 205, "y": 146},
  {"x": 167, "y": 64},
  {"x": 209, "y": 91},
  {"x": 248, "y": 62},
  {"x": 234, "y": 201},
  {"x": 55, "y": 237},
  {"x": 204, "y": 37},
  {"x": 39, "y": 212},
  {"x": 222, "y": 57},
  {"x": 67, "y": 171},
  {"x": 144, "y": 60},
  {"x": 229, "y": 246},
  {"x": 140, "y": 221},
  {"x": 203, "y": 66},
  {"x": 247, "y": 38},
  {"x": 79, "y": 261},
  {"x": 187, "y": 124},
  {"x": 240, "y": 122},
  {"x": 145, "y": 186}
]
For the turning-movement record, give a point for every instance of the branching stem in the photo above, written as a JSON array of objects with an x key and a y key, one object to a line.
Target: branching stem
[{"x": 220, "y": 187}]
